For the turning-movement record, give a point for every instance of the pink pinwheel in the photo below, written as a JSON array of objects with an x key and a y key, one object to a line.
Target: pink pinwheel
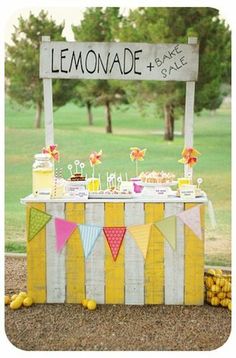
[{"x": 52, "y": 150}]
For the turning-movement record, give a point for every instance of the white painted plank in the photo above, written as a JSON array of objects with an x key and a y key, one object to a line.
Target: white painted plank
[
  {"x": 134, "y": 261},
  {"x": 174, "y": 261},
  {"x": 117, "y": 60},
  {"x": 48, "y": 105},
  {"x": 140, "y": 199},
  {"x": 94, "y": 274},
  {"x": 189, "y": 113},
  {"x": 55, "y": 261}
]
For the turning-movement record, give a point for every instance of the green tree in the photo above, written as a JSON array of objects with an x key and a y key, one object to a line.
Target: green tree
[
  {"x": 173, "y": 25},
  {"x": 100, "y": 25},
  {"x": 23, "y": 84}
]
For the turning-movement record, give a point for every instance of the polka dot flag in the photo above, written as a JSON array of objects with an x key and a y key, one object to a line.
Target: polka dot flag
[
  {"x": 114, "y": 236},
  {"x": 37, "y": 220}
]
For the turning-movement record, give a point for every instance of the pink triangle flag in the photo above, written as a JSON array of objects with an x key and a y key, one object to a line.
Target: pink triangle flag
[
  {"x": 114, "y": 236},
  {"x": 64, "y": 229},
  {"x": 192, "y": 219}
]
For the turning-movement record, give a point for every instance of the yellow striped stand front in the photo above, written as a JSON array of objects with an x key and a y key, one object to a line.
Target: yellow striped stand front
[
  {"x": 75, "y": 270},
  {"x": 194, "y": 264},
  {"x": 154, "y": 265},
  {"x": 114, "y": 270},
  {"x": 36, "y": 260}
]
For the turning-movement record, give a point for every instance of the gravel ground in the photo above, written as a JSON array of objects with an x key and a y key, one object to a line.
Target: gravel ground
[{"x": 68, "y": 327}]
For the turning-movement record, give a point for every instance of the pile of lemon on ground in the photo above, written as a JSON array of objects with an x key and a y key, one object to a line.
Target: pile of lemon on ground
[
  {"x": 91, "y": 305},
  {"x": 218, "y": 288},
  {"x": 17, "y": 301}
]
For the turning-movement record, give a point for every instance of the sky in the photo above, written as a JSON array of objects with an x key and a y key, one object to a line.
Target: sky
[{"x": 71, "y": 15}]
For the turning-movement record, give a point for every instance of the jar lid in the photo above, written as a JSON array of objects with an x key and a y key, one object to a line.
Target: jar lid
[{"x": 42, "y": 156}]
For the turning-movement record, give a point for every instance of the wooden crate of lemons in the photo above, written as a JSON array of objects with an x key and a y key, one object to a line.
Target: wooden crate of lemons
[{"x": 218, "y": 288}]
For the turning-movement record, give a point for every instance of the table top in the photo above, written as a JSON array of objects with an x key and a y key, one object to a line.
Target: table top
[{"x": 137, "y": 199}]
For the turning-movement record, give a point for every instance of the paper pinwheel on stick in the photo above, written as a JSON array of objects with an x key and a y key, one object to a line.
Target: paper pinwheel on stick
[
  {"x": 189, "y": 156},
  {"x": 95, "y": 159},
  {"x": 137, "y": 155},
  {"x": 52, "y": 151}
]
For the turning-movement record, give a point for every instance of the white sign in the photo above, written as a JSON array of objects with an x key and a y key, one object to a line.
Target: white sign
[
  {"x": 162, "y": 192},
  {"x": 187, "y": 191},
  {"x": 126, "y": 61}
]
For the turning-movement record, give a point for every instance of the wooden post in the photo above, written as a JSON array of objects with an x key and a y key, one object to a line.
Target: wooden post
[
  {"x": 189, "y": 114},
  {"x": 48, "y": 106}
]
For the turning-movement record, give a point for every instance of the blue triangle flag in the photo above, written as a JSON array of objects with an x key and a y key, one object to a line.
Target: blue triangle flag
[{"x": 89, "y": 235}]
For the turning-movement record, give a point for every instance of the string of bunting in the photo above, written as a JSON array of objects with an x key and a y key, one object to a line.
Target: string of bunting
[{"x": 115, "y": 235}]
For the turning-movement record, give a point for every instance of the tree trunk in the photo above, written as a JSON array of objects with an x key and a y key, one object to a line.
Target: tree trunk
[
  {"x": 90, "y": 114},
  {"x": 108, "y": 117},
  {"x": 169, "y": 122},
  {"x": 38, "y": 115}
]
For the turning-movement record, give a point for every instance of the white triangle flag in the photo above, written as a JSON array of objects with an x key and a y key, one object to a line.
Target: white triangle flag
[
  {"x": 89, "y": 235},
  {"x": 192, "y": 219}
]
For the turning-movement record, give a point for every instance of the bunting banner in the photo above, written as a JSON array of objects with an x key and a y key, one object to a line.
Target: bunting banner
[
  {"x": 64, "y": 229},
  {"x": 192, "y": 219},
  {"x": 167, "y": 227},
  {"x": 89, "y": 235},
  {"x": 114, "y": 236},
  {"x": 37, "y": 220},
  {"x": 140, "y": 234}
]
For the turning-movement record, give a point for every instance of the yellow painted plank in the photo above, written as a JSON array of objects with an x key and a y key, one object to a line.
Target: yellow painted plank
[
  {"x": 36, "y": 259},
  {"x": 154, "y": 264},
  {"x": 114, "y": 270},
  {"x": 75, "y": 264},
  {"x": 194, "y": 263}
]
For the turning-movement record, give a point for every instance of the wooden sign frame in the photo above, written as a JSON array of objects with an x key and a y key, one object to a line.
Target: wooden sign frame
[{"x": 123, "y": 61}]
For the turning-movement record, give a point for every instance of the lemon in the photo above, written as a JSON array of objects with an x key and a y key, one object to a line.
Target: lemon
[
  {"x": 210, "y": 294},
  {"x": 91, "y": 305},
  {"x": 19, "y": 298},
  {"x": 219, "y": 272},
  {"x": 221, "y": 295},
  {"x": 27, "y": 302},
  {"x": 215, "y": 288},
  {"x": 209, "y": 282},
  {"x": 23, "y": 294},
  {"x": 84, "y": 302},
  {"x": 7, "y": 300},
  {"x": 225, "y": 302},
  {"x": 228, "y": 295},
  {"x": 222, "y": 282},
  {"x": 211, "y": 271},
  {"x": 230, "y": 305},
  {"x": 215, "y": 301},
  {"x": 13, "y": 297},
  {"x": 15, "y": 304},
  {"x": 226, "y": 287}
]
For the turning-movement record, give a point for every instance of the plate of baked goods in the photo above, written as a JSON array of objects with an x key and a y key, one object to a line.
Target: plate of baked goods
[
  {"x": 157, "y": 178},
  {"x": 111, "y": 194}
]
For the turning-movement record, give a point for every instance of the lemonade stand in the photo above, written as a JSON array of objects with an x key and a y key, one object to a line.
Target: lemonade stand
[{"x": 132, "y": 249}]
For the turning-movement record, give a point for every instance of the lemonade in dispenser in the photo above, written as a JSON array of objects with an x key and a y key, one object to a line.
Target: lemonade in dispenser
[{"x": 43, "y": 174}]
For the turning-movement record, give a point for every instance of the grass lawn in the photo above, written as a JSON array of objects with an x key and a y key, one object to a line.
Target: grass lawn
[{"x": 76, "y": 140}]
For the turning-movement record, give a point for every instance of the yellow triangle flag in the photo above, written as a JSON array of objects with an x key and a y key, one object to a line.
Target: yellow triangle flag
[
  {"x": 167, "y": 227},
  {"x": 141, "y": 234}
]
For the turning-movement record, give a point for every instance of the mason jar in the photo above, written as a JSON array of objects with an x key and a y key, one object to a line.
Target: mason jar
[{"x": 43, "y": 174}]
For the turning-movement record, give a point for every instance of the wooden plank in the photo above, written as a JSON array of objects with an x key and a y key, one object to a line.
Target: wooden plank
[
  {"x": 189, "y": 113},
  {"x": 94, "y": 214},
  {"x": 75, "y": 270},
  {"x": 194, "y": 264},
  {"x": 117, "y": 60},
  {"x": 114, "y": 270},
  {"x": 48, "y": 105},
  {"x": 174, "y": 260},
  {"x": 55, "y": 260},
  {"x": 36, "y": 260},
  {"x": 134, "y": 261},
  {"x": 154, "y": 265},
  {"x": 171, "y": 199}
]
